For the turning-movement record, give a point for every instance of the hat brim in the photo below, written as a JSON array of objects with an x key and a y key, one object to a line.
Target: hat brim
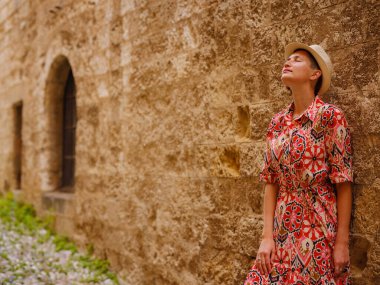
[{"x": 326, "y": 73}]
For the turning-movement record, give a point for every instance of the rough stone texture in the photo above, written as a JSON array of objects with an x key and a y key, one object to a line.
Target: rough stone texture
[{"x": 173, "y": 100}]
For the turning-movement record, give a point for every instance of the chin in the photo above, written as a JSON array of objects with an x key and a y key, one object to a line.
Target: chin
[{"x": 286, "y": 81}]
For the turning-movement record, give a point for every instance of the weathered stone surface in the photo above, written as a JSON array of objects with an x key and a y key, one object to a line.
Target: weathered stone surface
[{"x": 173, "y": 102}]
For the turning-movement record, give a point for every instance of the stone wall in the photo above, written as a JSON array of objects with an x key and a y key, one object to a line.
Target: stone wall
[{"x": 173, "y": 101}]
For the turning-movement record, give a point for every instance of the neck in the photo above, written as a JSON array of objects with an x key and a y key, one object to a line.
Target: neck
[{"x": 302, "y": 97}]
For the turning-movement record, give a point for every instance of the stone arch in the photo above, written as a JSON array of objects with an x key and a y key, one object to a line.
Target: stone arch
[{"x": 59, "y": 74}]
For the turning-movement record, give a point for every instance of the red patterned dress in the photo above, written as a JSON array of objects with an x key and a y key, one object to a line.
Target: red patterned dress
[{"x": 306, "y": 156}]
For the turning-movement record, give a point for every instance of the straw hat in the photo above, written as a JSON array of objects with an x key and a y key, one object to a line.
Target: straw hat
[{"x": 320, "y": 56}]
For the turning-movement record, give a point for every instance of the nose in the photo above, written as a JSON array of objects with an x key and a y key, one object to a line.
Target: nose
[{"x": 287, "y": 63}]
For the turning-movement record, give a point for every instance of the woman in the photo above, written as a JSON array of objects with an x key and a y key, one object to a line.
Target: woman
[{"x": 308, "y": 175}]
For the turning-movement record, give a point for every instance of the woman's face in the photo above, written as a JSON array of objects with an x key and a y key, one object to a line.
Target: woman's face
[{"x": 297, "y": 69}]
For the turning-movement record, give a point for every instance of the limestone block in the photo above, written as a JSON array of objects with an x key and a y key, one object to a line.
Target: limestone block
[
  {"x": 261, "y": 115},
  {"x": 258, "y": 83},
  {"x": 219, "y": 124},
  {"x": 283, "y": 10},
  {"x": 353, "y": 68},
  {"x": 224, "y": 234},
  {"x": 221, "y": 161},
  {"x": 359, "y": 247},
  {"x": 252, "y": 159},
  {"x": 234, "y": 196},
  {"x": 365, "y": 211},
  {"x": 127, "y": 6},
  {"x": 363, "y": 163}
]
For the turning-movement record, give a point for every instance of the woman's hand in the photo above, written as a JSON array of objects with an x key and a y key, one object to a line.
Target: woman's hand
[
  {"x": 341, "y": 248},
  {"x": 265, "y": 256},
  {"x": 341, "y": 257}
]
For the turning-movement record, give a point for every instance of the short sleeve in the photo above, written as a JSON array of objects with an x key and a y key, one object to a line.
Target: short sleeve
[
  {"x": 269, "y": 171},
  {"x": 338, "y": 145}
]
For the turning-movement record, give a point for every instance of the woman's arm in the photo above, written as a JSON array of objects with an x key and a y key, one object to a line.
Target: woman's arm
[
  {"x": 270, "y": 199},
  {"x": 344, "y": 206},
  {"x": 265, "y": 254}
]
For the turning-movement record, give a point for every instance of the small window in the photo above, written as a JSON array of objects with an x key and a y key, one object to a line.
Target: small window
[
  {"x": 17, "y": 144},
  {"x": 68, "y": 135}
]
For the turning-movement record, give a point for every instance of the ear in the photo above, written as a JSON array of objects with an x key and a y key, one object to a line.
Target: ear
[{"x": 316, "y": 74}]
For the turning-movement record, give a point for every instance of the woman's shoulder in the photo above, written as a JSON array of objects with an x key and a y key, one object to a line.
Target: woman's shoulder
[
  {"x": 332, "y": 115},
  {"x": 332, "y": 110},
  {"x": 330, "y": 107}
]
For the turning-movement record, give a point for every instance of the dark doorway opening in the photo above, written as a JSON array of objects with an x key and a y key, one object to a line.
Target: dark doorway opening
[
  {"x": 68, "y": 135},
  {"x": 17, "y": 110}
]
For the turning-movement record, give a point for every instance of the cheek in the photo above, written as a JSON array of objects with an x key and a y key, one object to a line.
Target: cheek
[{"x": 303, "y": 71}]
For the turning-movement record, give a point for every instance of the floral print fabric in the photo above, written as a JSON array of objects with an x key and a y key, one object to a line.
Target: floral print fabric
[{"x": 305, "y": 156}]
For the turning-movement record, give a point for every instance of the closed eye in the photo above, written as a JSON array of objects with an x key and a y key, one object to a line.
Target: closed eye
[{"x": 294, "y": 58}]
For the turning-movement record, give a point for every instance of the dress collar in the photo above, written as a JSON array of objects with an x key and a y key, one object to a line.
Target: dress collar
[{"x": 310, "y": 112}]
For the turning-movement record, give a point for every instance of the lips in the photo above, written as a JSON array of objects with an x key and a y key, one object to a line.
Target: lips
[{"x": 285, "y": 70}]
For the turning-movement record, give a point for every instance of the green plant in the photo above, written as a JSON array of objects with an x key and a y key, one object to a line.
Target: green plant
[
  {"x": 63, "y": 243},
  {"x": 21, "y": 217}
]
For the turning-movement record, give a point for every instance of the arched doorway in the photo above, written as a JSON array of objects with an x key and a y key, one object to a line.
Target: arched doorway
[
  {"x": 60, "y": 105},
  {"x": 68, "y": 135}
]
